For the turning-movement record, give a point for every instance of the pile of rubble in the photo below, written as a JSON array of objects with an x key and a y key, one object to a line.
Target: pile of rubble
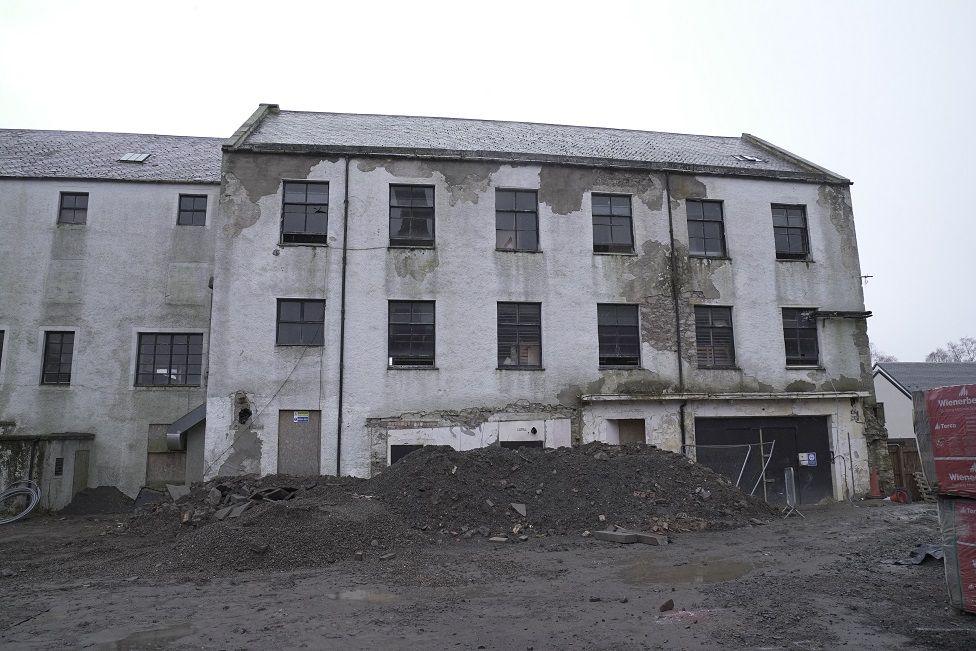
[
  {"x": 561, "y": 491},
  {"x": 630, "y": 493}
]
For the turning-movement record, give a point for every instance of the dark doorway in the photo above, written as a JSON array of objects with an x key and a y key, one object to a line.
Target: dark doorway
[
  {"x": 780, "y": 440},
  {"x": 514, "y": 445},
  {"x": 397, "y": 452}
]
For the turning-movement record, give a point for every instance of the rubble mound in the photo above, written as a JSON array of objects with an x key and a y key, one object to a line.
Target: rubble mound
[
  {"x": 99, "y": 501},
  {"x": 279, "y": 522},
  {"x": 562, "y": 491}
]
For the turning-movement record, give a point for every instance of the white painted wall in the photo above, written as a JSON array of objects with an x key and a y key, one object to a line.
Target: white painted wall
[
  {"x": 899, "y": 414},
  {"x": 129, "y": 269}
]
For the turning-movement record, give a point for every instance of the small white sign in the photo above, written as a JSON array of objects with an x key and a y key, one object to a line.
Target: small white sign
[
  {"x": 300, "y": 417},
  {"x": 808, "y": 458}
]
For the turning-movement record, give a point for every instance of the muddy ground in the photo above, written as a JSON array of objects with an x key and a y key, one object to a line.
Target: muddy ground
[{"x": 822, "y": 582}]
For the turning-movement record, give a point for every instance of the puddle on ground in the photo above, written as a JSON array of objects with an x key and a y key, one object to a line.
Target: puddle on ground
[
  {"x": 713, "y": 571},
  {"x": 156, "y": 638},
  {"x": 363, "y": 595}
]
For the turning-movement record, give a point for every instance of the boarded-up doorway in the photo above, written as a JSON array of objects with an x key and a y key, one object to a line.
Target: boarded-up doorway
[{"x": 299, "y": 442}]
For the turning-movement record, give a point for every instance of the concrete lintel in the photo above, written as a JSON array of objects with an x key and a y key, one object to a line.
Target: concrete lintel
[{"x": 699, "y": 397}]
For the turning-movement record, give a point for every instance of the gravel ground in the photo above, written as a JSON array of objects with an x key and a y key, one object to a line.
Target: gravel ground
[{"x": 818, "y": 583}]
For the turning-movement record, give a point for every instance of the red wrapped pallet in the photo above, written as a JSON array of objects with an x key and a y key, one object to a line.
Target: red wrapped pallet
[
  {"x": 945, "y": 425},
  {"x": 957, "y": 521}
]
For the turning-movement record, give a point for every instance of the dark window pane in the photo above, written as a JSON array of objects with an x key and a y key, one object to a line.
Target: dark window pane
[
  {"x": 619, "y": 338},
  {"x": 601, "y": 204},
  {"x": 301, "y": 322},
  {"x": 73, "y": 208},
  {"x": 712, "y": 210},
  {"x": 694, "y": 209},
  {"x": 164, "y": 359},
  {"x": 305, "y": 213},
  {"x": 58, "y": 352},
  {"x": 411, "y": 333},
  {"x": 519, "y": 335},
  {"x": 504, "y": 200},
  {"x": 800, "y": 336},
  {"x": 620, "y": 206},
  {"x": 527, "y": 241},
  {"x": 526, "y": 201}
]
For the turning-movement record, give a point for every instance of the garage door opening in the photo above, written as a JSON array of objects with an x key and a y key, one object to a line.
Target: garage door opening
[
  {"x": 514, "y": 445},
  {"x": 397, "y": 452},
  {"x": 621, "y": 431},
  {"x": 755, "y": 452}
]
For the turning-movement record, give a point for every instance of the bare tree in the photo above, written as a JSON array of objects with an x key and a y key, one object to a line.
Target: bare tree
[
  {"x": 963, "y": 350},
  {"x": 878, "y": 356}
]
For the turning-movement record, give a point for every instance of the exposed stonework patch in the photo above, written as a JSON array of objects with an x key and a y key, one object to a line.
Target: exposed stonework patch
[
  {"x": 261, "y": 174},
  {"x": 686, "y": 187},
  {"x": 413, "y": 263},
  {"x": 464, "y": 180},
  {"x": 801, "y": 386},
  {"x": 469, "y": 417},
  {"x": 702, "y": 272},
  {"x": 562, "y": 188},
  {"x": 245, "y": 455},
  {"x": 835, "y": 200},
  {"x": 240, "y": 212}
]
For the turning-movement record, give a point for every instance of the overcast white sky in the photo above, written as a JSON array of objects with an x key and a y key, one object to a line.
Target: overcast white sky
[{"x": 880, "y": 91}]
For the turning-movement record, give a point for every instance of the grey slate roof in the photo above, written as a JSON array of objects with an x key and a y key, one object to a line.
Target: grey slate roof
[
  {"x": 916, "y": 376},
  {"x": 463, "y": 138},
  {"x": 94, "y": 155}
]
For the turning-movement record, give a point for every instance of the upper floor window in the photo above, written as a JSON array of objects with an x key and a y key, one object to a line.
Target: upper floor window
[
  {"x": 169, "y": 359},
  {"x": 619, "y": 335},
  {"x": 193, "y": 210},
  {"x": 706, "y": 228},
  {"x": 58, "y": 354},
  {"x": 411, "y": 333},
  {"x": 613, "y": 230},
  {"x": 790, "y": 231},
  {"x": 800, "y": 335},
  {"x": 2, "y": 333},
  {"x": 713, "y": 336},
  {"x": 73, "y": 208},
  {"x": 305, "y": 213},
  {"x": 519, "y": 335},
  {"x": 411, "y": 215},
  {"x": 301, "y": 322},
  {"x": 516, "y": 220}
]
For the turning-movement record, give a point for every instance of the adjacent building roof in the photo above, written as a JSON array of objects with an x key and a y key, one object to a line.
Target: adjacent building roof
[
  {"x": 918, "y": 376},
  {"x": 26, "y": 153},
  {"x": 271, "y": 129}
]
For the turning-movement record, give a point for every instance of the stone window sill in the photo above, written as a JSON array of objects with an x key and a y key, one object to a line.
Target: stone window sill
[
  {"x": 519, "y": 368},
  {"x": 407, "y": 367},
  {"x": 632, "y": 254},
  {"x": 805, "y": 367},
  {"x": 422, "y": 247}
]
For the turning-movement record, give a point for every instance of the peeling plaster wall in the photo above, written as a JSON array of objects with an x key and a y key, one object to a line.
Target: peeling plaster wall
[
  {"x": 466, "y": 277},
  {"x": 129, "y": 269},
  {"x": 252, "y": 272}
]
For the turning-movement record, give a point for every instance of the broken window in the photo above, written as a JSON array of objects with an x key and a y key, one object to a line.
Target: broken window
[
  {"x": 713, "y": 334},
  {"x": 617, "y": 329},
  {"x": 305, "y": 213},
  {"x": 301, "y": 322},
  {"x": 58, "y": 353},
  {"x": 612, "y": 224},
  {"x": 193, "y": 210},
  {"x": 516, "y": 220},
  {"x": 706, "y": 228},
  {"x": 411, "y": 333},
  {"x": 519, "y": 335},
  {"x": 397, "y": 452},
  {"x": 790, "y": 231},
  {"x": 411, "y": 215},
  {"x": 800, "y": 334},
  {"x": 73, "y": 208},
  {"x": 169, "y": 359}
]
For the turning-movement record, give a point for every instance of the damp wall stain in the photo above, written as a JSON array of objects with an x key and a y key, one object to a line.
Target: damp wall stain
[{"x": 413, "y": 263}]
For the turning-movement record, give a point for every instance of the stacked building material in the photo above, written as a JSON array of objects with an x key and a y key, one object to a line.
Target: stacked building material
[{"x": 945, "y": 424}]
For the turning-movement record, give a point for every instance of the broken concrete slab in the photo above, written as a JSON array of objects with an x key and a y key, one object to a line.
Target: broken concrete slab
[
  {"x": 236, "y": 511},
  {"x": 214, "y": 497},
  {"x": 177, "y": 491},
  {"x": 387, "y": 557},
  {"x": 498, "y": 539},
  {"x": 220, "y": 514},
  {"x": 650, "y": 538},
  {"x": 519, "y": 508},
  {"x": 666, "y": 606},
  {"x": 610, "y": 535}
]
